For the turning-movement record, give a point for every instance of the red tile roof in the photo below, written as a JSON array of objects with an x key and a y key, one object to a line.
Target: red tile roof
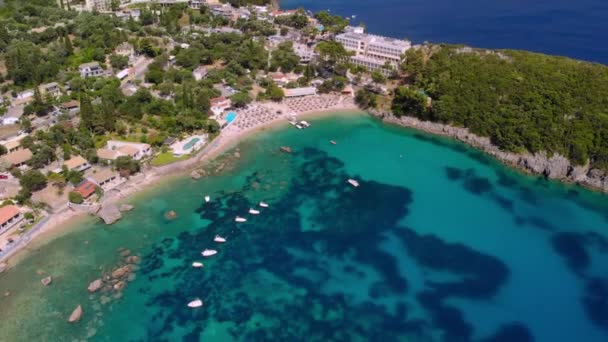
[{"x": 86, "y": 189}]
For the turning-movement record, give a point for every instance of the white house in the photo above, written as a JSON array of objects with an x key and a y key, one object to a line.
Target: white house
[
  {"x": 115, "y": 149},
  {"x": 298, "y": 92},
  {"x": 199, "y": 73},
  {"x": 91, "y": 69},
  {"x": 220, "y": 104}
]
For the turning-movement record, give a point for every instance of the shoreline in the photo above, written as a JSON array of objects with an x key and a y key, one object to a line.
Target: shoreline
[
  {"x": 556, "y": 167},
  {"x": 66, "y": 218}
]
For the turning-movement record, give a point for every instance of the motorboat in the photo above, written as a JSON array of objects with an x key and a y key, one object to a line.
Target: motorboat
[
  {"x": 209, "y": 252},
  {"x": 240, "y": 219},
  {"x": 197, "y": 264},
  {"x": 207, "y": 199},
  {"x": 304, "y": 124},
  {"x": 353, "y": 182},
  {"x": 219, "y": 239},
  {"x": 263, "y": 205},
  {"x": 333, "y": 142},
  {"x": 298, "y": 126},
  {"x": 254, "y": 212},
  {"x": 197, "y": 303}
]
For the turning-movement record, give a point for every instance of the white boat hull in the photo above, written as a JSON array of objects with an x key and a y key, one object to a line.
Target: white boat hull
[
  {"x": 197, "y": 264},
  {"x": 195, "y": 303},
  {"x": 219, "y": 239},
  {"x": 209, "y": 252}
]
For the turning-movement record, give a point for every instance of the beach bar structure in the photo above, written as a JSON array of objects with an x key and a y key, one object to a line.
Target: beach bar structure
[
  {"x": 299, "y": 92},
  {"x": 9, "y": 216}
]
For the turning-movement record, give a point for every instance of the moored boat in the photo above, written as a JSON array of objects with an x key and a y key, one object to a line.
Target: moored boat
[
  {"x": 195, "y": 303},
  {"x": 353, "y": 182},
  {"x": 304, "y": 124},
  {"x": 209, "y": 252},
  {"x": 286, "y": 149},
  {"x": 197, "y": 264},
  {"x": 333, "y": 142},
  {"x": 219, "y": 239},
  {"x": 253, "y": 211},
  {"x": 263, "y": 205},
  {"x": 207, "y": 199},
  {"x": 240, "y": 219}
]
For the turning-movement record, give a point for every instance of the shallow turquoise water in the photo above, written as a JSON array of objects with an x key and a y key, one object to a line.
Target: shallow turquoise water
[{"x": 439, "y": 243}]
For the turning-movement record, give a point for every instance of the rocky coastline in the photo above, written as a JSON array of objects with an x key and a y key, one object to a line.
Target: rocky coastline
[{"x": 555, "y": 167}]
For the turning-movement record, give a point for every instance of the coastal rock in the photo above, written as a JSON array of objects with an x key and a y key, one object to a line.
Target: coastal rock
[
  {"x": 557, "y": 167},
  {"x": 126, "y": 207},
  {"x": 170, "y": 215},
  {"x": 121, "y": 272},
  {"x": 195, "y": 175},
  {"x": 76, "y": 315},
  {"x": 119, "y": 286},
  {"x": 95, "y": 285},
  {"x": 125, "y": 253},
  {"x": 133, "y": 259},
  {"x": 47, "y": 281},
  {"x": 578, "y": 173},
  {"x": 3, "y": 267},
  {"x": 109, "y": 214}
]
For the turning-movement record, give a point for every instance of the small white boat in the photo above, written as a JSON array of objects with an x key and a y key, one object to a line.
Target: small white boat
[
  {"x": 207, "y": 199},
  {"x": 219, "y": 239},
  {"x": 209, "y": 252},
  {"x": 240, "y": 219},
  {"x": 353, "y": 182},
  {"x": 304, "y": 124},
  {"x": 298, "y": 126},
  {"x": 253, "y": 211},
  {"x": 263, "y": 205},
  {"x": 353, "y": 16},
  {"x": 197, "y": 264},
  {"x": 197, "y": 303}
]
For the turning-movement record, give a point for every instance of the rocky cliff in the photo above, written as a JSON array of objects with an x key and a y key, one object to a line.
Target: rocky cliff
[{"x": 554, "y": 167}]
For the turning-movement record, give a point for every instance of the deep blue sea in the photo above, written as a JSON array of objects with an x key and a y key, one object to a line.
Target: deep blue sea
[
  {"x": 438, "y": 243},
  {"x": 573, "y": 28}
]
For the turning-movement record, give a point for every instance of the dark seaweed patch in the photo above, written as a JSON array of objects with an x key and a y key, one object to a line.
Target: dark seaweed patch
[
  {"x": 571, "y": 247},
  {"x": 515, "y": 332}
]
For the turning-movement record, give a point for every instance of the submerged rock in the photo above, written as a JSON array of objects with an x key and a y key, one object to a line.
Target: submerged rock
[
  {"x": 125, "y": 253},
  {"x": 95, "y": 285},
  {"x": 170, "y": 215},
  {"x": 121, "y": 272},
  {"x": 126, "y": 207},
  {"x": 76, "y": 315},
  {"x": 109, "y": 214},
  {"x": 133, "y": 259},
  {"x": 47, "y": 281},
  {"x": 195, "y": 175}
]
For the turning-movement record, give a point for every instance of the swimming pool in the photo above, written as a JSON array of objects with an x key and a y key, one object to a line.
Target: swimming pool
[
  {"x": 230, "y": 117},
  {"x": 190, "y": 144}
]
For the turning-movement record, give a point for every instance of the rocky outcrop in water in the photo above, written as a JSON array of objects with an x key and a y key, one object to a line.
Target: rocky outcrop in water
[
  {"x": 76, "y": 315},
  {"x": 555, "y": 166},
  {"x": 95, "y": 285},
  {"x": 109, "y": 213},
  {"x": 126, "y": 207},
  {"x": 47, "y": 281},
  {"x": 195, "y": 175}
]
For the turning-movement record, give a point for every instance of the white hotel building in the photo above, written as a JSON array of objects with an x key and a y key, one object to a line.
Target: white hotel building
[{"x": 372, "y": 51}]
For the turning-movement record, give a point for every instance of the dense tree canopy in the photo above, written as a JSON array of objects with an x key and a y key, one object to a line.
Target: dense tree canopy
[{"x": 521, "y": 100}]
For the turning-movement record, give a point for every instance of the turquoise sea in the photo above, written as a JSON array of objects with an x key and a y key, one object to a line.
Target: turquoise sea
[{"x": 438, "y": 243}]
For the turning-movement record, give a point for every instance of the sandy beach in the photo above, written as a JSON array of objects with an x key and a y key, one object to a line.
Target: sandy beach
[{"x": 256, "y": 118}]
